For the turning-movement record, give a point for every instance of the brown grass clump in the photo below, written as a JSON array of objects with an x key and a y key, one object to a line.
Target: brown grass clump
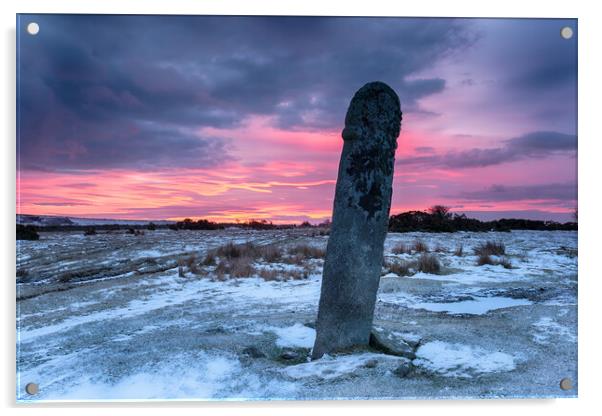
[
  {"x": 420, "y": 247},
  {"x": 271, "y": 254},
  {"x": 429, "y": 263},
  {"x": 297, "y": 274},
  {"x": 459, "y": 251},
  {"x": 209, "y": 259},
  {"x": 491, "y": 248},
  {"x": 306, "y": 251},
  {"x": 190, "y": 262},
  {"x": 236, "y": 260},
  {"x": 268, "y": 274},
  {"x": 485, "y": 259},
  {"x": 235, "y": 267},
  {"x": 282, "y": 275},
  {"x": 300, "y": 253},
  {"x": 232, "y": 251},
  {"x": 399, "y": 268},
  {"x": 401, "y": 248}
]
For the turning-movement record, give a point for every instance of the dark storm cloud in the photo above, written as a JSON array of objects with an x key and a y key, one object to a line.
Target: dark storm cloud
[
  {"x": 532, "y": 71},
  {"x": 111, "y": 91},
  {"x": 501, "y": 193},
  {"x": 535, "y": 145},
  {"x": 545, "y": 59}
]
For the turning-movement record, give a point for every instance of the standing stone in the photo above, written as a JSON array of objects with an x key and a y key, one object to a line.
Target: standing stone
[{"x": 360, "y": 220}]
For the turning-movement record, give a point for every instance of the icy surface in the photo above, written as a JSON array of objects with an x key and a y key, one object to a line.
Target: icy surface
[
  {"x": 296, "y": 335},
  {"x": 108, "y": 317},
  {"x": 329, "y": 368},
  {"x": 457, "y": 360},
  {"x": 547, "y": 330},
  {"x": 184, "y": 377},
  {"x": 476, "y": 306}
]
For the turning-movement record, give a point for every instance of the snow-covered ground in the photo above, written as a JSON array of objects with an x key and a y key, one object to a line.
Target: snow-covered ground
[{"x": 110, "y": 317}]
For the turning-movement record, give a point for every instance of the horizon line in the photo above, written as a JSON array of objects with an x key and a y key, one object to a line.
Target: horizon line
[{"x": 493, "y": 215}]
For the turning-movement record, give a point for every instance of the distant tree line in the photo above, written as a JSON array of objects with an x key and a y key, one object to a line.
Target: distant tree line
[
  {"x": 27, "y": 232},
  {"x": 189, "y": 224},
  {"x": 439, "y": 218}
]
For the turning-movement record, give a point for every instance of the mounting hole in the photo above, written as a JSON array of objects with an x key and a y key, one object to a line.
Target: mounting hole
[
  {"x": 33, "y": 28},
  {"x": 32, "y": 388},
  {"x": 566, "y": 384},
  {"x": 566, "y": 32}
]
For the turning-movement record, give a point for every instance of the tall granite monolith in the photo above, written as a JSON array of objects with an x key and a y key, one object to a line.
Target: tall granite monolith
[{"x": 360, "y": 218}]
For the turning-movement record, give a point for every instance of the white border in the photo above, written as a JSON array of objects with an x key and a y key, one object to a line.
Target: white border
[{"x": 590, "y": 29}]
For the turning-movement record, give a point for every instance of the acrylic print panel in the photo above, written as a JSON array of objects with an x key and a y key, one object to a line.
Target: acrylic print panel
[{"x": 208, "y": 208}]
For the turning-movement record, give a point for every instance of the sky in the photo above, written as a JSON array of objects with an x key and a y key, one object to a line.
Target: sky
[{"x": 238, "y": 118}]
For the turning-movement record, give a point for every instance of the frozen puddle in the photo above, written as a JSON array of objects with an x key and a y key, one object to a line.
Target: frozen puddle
[
  {"x": 459, "y": 360},
  {"x": 476, "y": 306}
]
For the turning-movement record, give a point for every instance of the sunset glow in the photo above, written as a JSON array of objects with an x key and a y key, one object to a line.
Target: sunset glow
[{"x": 232, "y": 119}]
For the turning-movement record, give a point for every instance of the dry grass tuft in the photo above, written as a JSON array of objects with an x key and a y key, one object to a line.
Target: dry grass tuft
[
  {"x": 401, "y": 248},
  {"x": 491, "y": 248},
  {"x": 401, "y": 268},
  {"x": 192, "y": 264},
  {"x": 268, "y": 274},
  {"x": 271, "y": 253},
  {"x": 429, "y": 263},
  {"x": 485, "y": 259},
  {"x": 297, "y": 274},
  {"x": 232, "y": 251},
  {"x": 237, "y": 260},
  {"x": 235, "y": 267},
  {"x": 307, "y": 251},
  {"x": 420, "y": 247},
  {"x": 282, "y": 275},
  {"x": 209, "y": 259},
  {"x": 459, "y": 251}
]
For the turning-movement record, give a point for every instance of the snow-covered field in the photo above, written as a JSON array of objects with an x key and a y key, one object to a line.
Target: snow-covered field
[{"x": 113, "y": 316}]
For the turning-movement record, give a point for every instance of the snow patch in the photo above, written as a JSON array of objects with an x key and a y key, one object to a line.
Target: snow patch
[
  {"x": 329, "y": 368},
  {"x": 547, "y": 330},
  {"x": 149, "y": 253},
  {"x": 476, "y": 306},
  {"x": 295, "y": 336},
  {"x": 458, "y": 360},
  {"x": 202, "y": 376}
]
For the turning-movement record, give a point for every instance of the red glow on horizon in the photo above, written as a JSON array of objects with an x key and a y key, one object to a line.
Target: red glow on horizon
[{"x": 277, "y": 175}]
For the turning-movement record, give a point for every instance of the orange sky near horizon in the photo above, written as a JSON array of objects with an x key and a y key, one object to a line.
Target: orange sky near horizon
[{"x": 258, "y": 186}]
